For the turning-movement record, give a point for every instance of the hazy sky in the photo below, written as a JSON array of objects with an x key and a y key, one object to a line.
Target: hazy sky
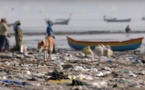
[{"x": 33, "y": 12}]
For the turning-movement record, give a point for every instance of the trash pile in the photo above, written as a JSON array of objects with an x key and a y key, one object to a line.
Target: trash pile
[{"x": 71, "y": 70}]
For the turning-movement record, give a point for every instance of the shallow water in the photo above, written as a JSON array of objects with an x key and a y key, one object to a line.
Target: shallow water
[{"x": 61, "y": 40}]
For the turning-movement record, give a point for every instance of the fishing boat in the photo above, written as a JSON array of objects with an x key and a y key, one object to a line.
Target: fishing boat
[
  {"x": 125, "y": 45},
  {"x": 116, "y": 20},
  {"x": 60, "y": 21},
  {"x": 63, "y": 21}
]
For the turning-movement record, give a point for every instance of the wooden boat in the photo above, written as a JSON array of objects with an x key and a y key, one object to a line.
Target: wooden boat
[
  {"x": 59, "y": 21},
  {"x": 131, "y": 44},
  {"x": 116, "y": 20},
  {"x": 63, "y": 21}
]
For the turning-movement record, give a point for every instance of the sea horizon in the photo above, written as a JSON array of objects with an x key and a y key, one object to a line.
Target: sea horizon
[{"x": 76, "y": 29}]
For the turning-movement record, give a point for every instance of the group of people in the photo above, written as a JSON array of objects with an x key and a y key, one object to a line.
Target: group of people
[{"x": 4, "y": 36}]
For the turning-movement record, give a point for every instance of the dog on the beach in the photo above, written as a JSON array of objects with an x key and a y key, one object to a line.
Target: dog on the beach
[{"x": 46, "y": 46}]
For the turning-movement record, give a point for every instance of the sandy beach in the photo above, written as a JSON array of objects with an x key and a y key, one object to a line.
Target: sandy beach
[
  {"x": 20, "y": 71},
  {"x": 69, "y": 68}
]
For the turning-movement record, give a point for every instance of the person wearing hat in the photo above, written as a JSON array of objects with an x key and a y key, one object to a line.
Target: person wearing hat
[
  {"x": 49, "y": 32},
  {"x": 4, "y": 42},
  {"x": 18, "y": 35}
]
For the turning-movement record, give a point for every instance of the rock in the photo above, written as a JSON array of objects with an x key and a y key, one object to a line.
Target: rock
[{"x": 67, "y": 66}]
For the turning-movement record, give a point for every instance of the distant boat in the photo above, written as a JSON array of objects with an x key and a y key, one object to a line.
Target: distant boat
[
  {"x": 63, "y": 21},
  {"x": 116, "y": 20},
  {"x": 60, "y": 21}
]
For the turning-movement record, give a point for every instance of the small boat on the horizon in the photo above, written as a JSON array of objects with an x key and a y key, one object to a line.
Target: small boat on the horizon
[
  {"x": 60, "y": 21},
  {"x": 130, "y": 44},
  {"x": 116, "y": 20}
]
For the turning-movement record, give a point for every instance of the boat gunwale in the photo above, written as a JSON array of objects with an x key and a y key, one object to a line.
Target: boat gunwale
[{"x": 123, "y": 41}]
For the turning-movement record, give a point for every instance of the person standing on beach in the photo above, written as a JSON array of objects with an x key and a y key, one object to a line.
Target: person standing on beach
[
  {"x": 18, "y": 35},
  {"x": 4, "y": 42},
  {"x": 49, "y": 32},
  {"x": 127, "y": 29}
]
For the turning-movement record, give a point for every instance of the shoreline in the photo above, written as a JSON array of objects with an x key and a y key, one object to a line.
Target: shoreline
[{"x": 82, "y": 32}]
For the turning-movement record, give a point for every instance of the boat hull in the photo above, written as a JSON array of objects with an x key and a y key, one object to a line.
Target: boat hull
[
  {"x": 65, "y": 22},
  {"x": 119, "y": 20},
  {"x": 60, "y": 22},
  {"x": 131, "y": 44}
]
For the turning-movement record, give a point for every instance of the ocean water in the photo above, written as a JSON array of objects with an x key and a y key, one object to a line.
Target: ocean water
[
  {"x": 88, "y": 25},
  {"x": 61, "y": 40},
  {"x": 86, "y": 14}
]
